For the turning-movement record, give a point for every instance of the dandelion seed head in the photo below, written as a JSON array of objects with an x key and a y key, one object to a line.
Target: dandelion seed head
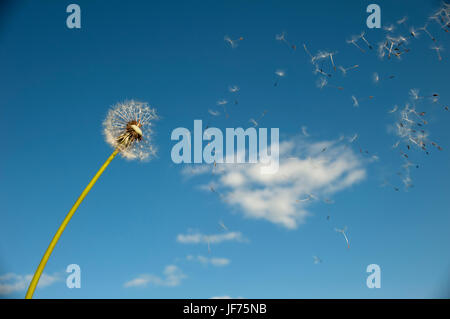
[{"x": 128, "y": 127}]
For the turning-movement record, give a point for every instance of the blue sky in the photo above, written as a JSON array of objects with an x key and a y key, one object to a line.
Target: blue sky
[{"x": 58, "y": 84}]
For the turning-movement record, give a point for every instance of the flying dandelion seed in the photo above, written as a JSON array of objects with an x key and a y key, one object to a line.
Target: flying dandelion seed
[
  {"x": 322, "y": 82},
  {"x": 413, "y": 32},
  {"x": 233, "y": 43},
  {"x": 342, "y": 231},
  {"x": 394, "y": 109},
  {"x": 424, "y": 29},
  {"x": 280, "y": 74},
  {"x": 128, "y": 129},
  {"x": 304, "y": 131},
  {"x": 376, "y": 77},
  {"x": 233, "y": 88},
  {"x": 344, "y": 70},
  {"x": 438, "y": 50},
  {"x": 282, "y": 38},
  {"x": 214, "y": 113},
  {"x": 317, "y": 260},
  {"x": 354, "y": 138},
  {"x": 355, "y": 101},
  {"x": 353, "y": 41},
  {"x": 361, "y": 36},
  {"x": 389, "y": 28}
]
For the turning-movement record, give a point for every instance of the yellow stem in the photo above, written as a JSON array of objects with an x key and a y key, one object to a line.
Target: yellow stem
[{"x": 61, "y": 228}]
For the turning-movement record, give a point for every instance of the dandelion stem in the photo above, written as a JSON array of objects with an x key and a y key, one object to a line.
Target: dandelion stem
[{"x": 63, "y": 226}]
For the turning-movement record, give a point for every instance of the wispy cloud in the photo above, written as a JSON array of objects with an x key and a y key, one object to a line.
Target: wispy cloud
[
  {"x": 198, "y": 238},
  {"x": 172, "y": 276},
  {"x": 11, "y": 282},
  {"x": 225, "y": 297},
  {"x": 218, "y": 262},
  {"x": 321, "y": 168}
]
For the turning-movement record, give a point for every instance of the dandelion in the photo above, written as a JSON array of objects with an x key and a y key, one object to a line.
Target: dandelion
[
  {"x": 394, "y": 109},
  {"x": 280, "y": 74},
  {"x": 424, "y": 29},
  {"x": 376, "y": 77},
  {"x": 353, "y": 41},
  {"x": 402, "y": 21},
  {"x": 128, "y": 126},
  {"x": 413, "y": 32},
  {"x": 309, "y": 53},
  {"x": 320, "y": 71},
  {"x": 389, "y": 28},
  {"x": 345, "y": 70},
  {"x": 304, "y": 131},
  {"x": 225, "y": 228},
  {"x": 322, "y": 82},
  {"x": 233, "y": 88},
  {"x": 232, "y": 43},
  {"x": 354, "y": 138},
  {"x": 282, "y": 37},
  {"x": 438, "y": 50},
  {"x": 365, "y": 40},
  {"x": 414, "y": 93},
  {"x": 342, "y": 231},
  {"x": 355, "y": 101},
  {"x": 128, "y": 129},
  {"x": 213, "y": 113},
  {"x": 317, "y": 260}
]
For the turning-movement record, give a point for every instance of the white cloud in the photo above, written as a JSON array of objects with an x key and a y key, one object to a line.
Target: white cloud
[
  {"x": 321, "y": 168},
  {"x": 225, "y": 297},
  {"x": 197, "y": 238},
  {"x": 11, "y": 282},
  {"x": 218, "y": 262},
  {"x": 172, "y": 277}
]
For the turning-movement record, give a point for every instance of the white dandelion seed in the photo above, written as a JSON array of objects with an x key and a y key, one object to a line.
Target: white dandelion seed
[
  {"x": 361, "y": 36},
  {"x": 222, "y": 102},
  {"x": 424, "y": 29},
  {"x": 342, "y": 231},
  {"x": 413, "y": 32},
  {"x": 322, "y": 82},
  {"x": 389, "y": 28},
  {"x": 280, "y": 73},
  {"x": 402, "y": 20},
  {"x": 233, "y": 88},
  {"x": 414, "y": 93},
  {"x": 233, "y": 43},
  {"x": 317, "y": 260},
  {"x": 223, "y": 225},
  {"x": 353, "y": 41},
  {"x": 376, "y": 77},
  {"x": 128, "y": 126},
  {"x": 354, "y": 138},
  {"x": 355, "y": 101},
  {"x": 304, "y": 131},
  {"x": 438, "y": 50},
  {"x": 214, "y": 113},
  {"x": 345, "y": 70},
  {"x": 394, "y": 109}
]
